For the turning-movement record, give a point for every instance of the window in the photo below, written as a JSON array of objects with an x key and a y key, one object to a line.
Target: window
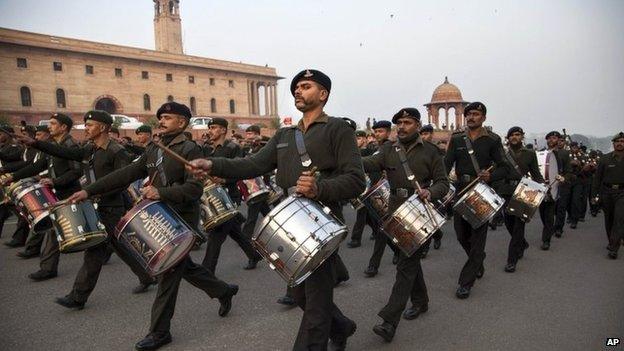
[
  {"x": 169, "y": 98},
  {"x": 118, "y": 72},
  {"x": 213, "y": 105},
  {"x": 22, "y": 63},
  {"x": 25, "y": 95},
  {"x": 231, "y": 83},
  {"x": 232, "y": 106},
  {"x": 171, "y": 8},
  {"x": 192, "y": 79},
  {"x": 147, "y": 105},
  {"x": 193, "y": 105},
  {"x": 145, "y": 74},
  {"x": 89, "y": 69},
  {"x": 60, "y": 98},
  {"x": 169, "y": 77},
  {"x": 212, "y": 82},
  {"x": 57, "y": 66}
]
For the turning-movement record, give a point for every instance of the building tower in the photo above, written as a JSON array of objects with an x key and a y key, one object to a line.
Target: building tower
[{"x": 168, "y": 26}]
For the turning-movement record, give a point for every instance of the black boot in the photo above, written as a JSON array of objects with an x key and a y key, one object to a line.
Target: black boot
[
  {"x": 226, "y": 301},
  {"x": 385, "y": 330},
  {"x": 70, "y": 303},
  {"x": 153, "y": 341}
]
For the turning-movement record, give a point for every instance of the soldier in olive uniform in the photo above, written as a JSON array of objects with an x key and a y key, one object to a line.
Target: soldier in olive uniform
[
  {"x": 609, "y": 185},
  {"x": 427, "y": 165},
  {"x": 330, "y": 146},
  {"x": 10, "y": 154},
  {"x": 522, "y": 161},
  {"x": 361, "y": 215},
  {"x": 175, "y": 187},
  {"x": 487, "y": 151}
]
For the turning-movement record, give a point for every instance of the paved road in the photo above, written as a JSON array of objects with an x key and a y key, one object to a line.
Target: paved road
[{"x": 569, "y": 298}]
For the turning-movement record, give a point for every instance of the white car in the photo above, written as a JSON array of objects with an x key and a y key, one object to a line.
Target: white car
[
  {"x": 200, "y": 122},
  {"x": 123, "y": 121}
]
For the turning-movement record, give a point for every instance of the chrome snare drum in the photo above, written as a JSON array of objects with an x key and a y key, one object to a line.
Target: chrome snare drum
[
  {"x": 410, "y": 226},
  {"x": 155, "y": 236},
  {"x": 526, "y": 199},
  {"x": 216, "y": 206},
  {"x": 77, "y": 226},
  {"x": 479, "y": 204},
  {"x": 377, "y": 200},
  {"x": 297, "y": 236},
  {"x": 276, "y": 193},
  {"x": 253, "y": 190}
]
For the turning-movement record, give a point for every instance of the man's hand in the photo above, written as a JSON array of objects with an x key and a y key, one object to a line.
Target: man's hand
[
  {"x": 306, "y": 185},
  {"x": 7, "y": 179},
  {"x": 200, "y": 168},
  {"x": 150, "y": 192},
  {"x": 485, "y": 176},
  {"x": 25, "y": 139},
  {"x": 46, "y": 182},
  {"x": 424, "y": 194},
  {"x": 78, "y": 196}
]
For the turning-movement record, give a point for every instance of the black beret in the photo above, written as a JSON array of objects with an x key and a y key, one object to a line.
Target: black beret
[
  {"x": 574, "y": 143},
  {"x": 254, "y": 129},
  {"x": 553, "y": 133},
  {"x": 360, "y": 133},
  {"x": 479, "y": 106},
  {"x": 382, "y": 124},
  {"x": 43, "y": 129},
  {"x": 175, "y": 109},
  {"x": 218, "y": 121},
  {"x": 6, "y": 128},
  {"x": 583, "y": 147},
  {"x": 114, "y": 130},
  {"x": 143, "y": 129},
  {"x": 313, "y": 75},
  {"x": 408, "y": 112},
  {"x": 100, "y": 116},
  {"x": 63, "y": 119},
  {"x": 515, "y": 129},
  {"x": 619, "y": 135},
  {"x": 427, "y": 128},
  {"x": 351, "y": 122}
]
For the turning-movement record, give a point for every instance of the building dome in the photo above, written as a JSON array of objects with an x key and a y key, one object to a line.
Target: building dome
[{"x": 446, "y": 92}]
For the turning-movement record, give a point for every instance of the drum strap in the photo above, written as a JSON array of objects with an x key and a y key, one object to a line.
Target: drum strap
[
  {"x": 160, "y": 168},
  {"x": 301, "y": 149},
  {"x": 475, "y": 164},
  {"x": 403, "y": 159},
  {"x": 513, "y": 162},
  {"x": 51, "y": 173}
]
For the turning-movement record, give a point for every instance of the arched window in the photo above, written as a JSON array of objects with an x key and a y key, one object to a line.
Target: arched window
[
  {"x": 170, "y": 98},
  {"x": 193, "y": 106},
  {"x": 60, "y": 98},
  {"x": 147, "y": 104},
  {"x": 171, "y": 7},
  {"x": 25, "y": 95},
  {"x": 213, "y": 105},
  {"x": 232, "y": 106}
]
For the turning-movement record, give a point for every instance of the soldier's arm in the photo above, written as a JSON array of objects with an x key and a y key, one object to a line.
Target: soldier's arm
[
  {"x": 61, "y": 151},
  {"x": 31, "y": 170},
  {"x": 374, "y": 162},
  {"x": 74, "y": 173},
  {"x": 536, "y": 175},
  {"x": 11, "y": 153},
  {"x": 597, "y": 182},
  {"x": 189, "y": 190},
  {"x": 251, "y": 166}
]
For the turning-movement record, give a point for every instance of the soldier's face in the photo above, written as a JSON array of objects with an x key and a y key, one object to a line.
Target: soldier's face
[
  {"x": 56, "y": 128},
  {"x": 4, "y": 137},
  {"x": 309, "y": 95},
  {"x": 406, "y": 127},
  {"x": 474, "y": 119},
  {"x": 251, "y": 136},
  {"x": 515, "y": 138},
  {"x": 94, "y": 129},
  {"x": 552, "y": 141},
  {"x": 381, "y": 134},
  {"x": 42, "y": 136},
  {"x": 170, "y": 123},
  {"x": 427, "y": 136},
  {"x": 143, "y": 138},
  {"x": 215, "y": 132},
  {"x": 618, "y": 145},
  {"x": 361, "y": 141}
]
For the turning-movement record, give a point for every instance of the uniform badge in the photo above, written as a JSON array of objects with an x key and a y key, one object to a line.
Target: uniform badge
[
  {"x": 167, "y": 107},
  {"x": 405, "y": 114},
  {"x": 308, "y": 74}
]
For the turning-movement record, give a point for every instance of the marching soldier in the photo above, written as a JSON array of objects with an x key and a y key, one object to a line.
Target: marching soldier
[
  {"x": 578, "y": 161},
  {"x": 609, "y": 185},
  {"x": 565, "y": 187},
  {"x": 144, "y": 137},
  {"x": 361, "y": 217},
  {"x": 410, "y": 155}
]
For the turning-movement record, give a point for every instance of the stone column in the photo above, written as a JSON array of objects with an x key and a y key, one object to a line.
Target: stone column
[
  {"x": 249, "y": 99},
  {"x": 459, "y": 116},
  {"x": 267, "y": 106},
  {"x": 255, "y": 94},
  {"x": 446, "y": 114},
  {"x": 275, "y": 99},
  {"x": 253, "y": 97}
]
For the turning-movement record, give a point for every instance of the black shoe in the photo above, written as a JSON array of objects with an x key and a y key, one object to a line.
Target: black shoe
[
  {"x": 437, "y": 243},
  {"x": 41, "y": 275},
  {"x": 395, "y": 259},
  {"x": 13, "y": 243},
  {"x": 463, "y": 292},
  {"x": 353, "y": 244},
  {"x": 142, "y": 287},
  {"x": 226, "y": 301},
  {"x": 545, "y": 246},
  {"x": 385, "y": 330},
  {"x": 415, "y": 311},
  {"x": 558, "y": 233},
  {"x": 339, "y": 342},
  {"x": 510, "y": 267},
  {"x": 26, "y": 255},
  {"x": 68, "y": 302},
  {"x": 492, "y": 225},
  {"x": 613, "y": 255},
  {"x": 286, "y": 301},
  {"x": 481, "y": 272},
  {"x": 371, "y": 271},
  {"x": 573, "y": 225},
  {"x": 153, "y": 341},
  {"x": 252, "y": 263}
]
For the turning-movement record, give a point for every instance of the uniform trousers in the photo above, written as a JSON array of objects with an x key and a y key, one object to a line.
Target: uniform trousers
[
  {"x": 586, "y": 183},
  {"x": 515, "y": 227},
  {"x": 253, "y": 210},
  {"x": 21, "y": 231},
  {"x": 577, "y": 201},
  {"x": 563, "y": 205},
  {"x": 5, "y": 212},
  {"x": 473, "y": 243},
  {"x": 361, "y": 219},
  {"x": 217, "y": 236},
  {"x": 50, "y": 253},
  {"x": 547, "y": 212},
  {"x": 381, "y": 240},
  {"x": 612, "y": 202}
]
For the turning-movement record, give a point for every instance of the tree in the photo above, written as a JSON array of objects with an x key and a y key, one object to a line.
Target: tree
[{"x": 275, "y": 123}]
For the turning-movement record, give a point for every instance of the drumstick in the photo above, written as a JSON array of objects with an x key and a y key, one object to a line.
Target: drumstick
[
  {"x": 175, "y": 156},
  {"x": 427, "y": 204},
  {"x": 474, "y": 181},
  {"x": 57, "y": 204}
]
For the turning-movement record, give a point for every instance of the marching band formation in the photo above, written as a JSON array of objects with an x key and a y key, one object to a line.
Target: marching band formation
[{"x": 152, "y": 203}]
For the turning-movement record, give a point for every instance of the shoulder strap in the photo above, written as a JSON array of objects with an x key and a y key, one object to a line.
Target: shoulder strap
[
  {"x": 513, "y": 162},
  {"x": 403, "y": 159},
  {"x": 301, "y": 149},
  {"x": 470, "y": 150}
]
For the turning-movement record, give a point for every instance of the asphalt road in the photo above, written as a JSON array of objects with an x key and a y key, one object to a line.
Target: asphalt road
[{"x": 568, "y": 298}]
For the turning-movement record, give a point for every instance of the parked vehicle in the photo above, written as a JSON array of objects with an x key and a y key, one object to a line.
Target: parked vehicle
[
  {"x": 123, "y": 121},
  {"x": 199, "y": 122}
]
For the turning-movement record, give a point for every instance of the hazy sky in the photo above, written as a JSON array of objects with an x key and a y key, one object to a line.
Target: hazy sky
[{"x": 539, "y": 64}]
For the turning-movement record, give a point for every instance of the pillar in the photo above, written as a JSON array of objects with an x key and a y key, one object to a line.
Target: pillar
[
  {"x": 275, "y": 100},
  {"x": 266, "y": 100}
]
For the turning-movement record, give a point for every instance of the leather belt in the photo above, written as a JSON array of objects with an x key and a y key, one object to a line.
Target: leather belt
[{"x": 402, "y": 192}]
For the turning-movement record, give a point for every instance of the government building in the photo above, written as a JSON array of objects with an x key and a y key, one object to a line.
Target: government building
[{"x": 44, "y": 74}]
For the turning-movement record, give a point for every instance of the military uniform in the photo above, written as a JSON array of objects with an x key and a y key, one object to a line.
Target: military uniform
[
  {"x": 361, "y": 217},
  {"x": 10, "y": 154},
  {"x": 576, "y": 207},
  {"x": 254, "y": 209},
  {"x": 565, "y": 191},
  {"x": 23, "y": 227}
]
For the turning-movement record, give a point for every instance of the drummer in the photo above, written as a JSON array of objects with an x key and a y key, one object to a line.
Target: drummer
[
  {"x": 222, "y": 147},
  {"x": 144, "y": 137},
  {"x": 522, "y": 161},
  {"x": 176, "y": 188},
  {"x": 99, "y": 157},
  {"x": 427, "y": 165},
  {"x": 488, "y": 150},
  {"x": 64, "y": 176},
  {"x": 330, "y": 146}
]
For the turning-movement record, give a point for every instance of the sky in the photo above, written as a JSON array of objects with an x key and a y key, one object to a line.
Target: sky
[{"x": 542, "y": 65}]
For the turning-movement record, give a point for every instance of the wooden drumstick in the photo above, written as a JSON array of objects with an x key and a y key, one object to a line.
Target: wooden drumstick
[
  {"x": 175, "y": 155},
  {"x": 474, "y": 181},
  {"x": 427, "y": 204}
]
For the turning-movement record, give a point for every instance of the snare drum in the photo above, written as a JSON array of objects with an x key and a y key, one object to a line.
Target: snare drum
[
  {"x": 276, "y": 193},
  {"x": 216, "y": 207},
  {"x": 33, "y": 202},
  {"x": 526, "y": 199},
  {"x": 253, "y": 190},
  {"x": 377, "y": 200},
  {"x": 297, "y": 236},
  {"x": 155, "y": 236},
  {"x": 479, "y": 204},
  {"x": 77, "y": 226},
  {"x": 410, "y": 226}
]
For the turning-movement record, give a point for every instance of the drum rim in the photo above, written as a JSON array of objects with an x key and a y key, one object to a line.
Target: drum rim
[
  {"x": 463, "y": 197},
  {"x": 265, "y": 221}
]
